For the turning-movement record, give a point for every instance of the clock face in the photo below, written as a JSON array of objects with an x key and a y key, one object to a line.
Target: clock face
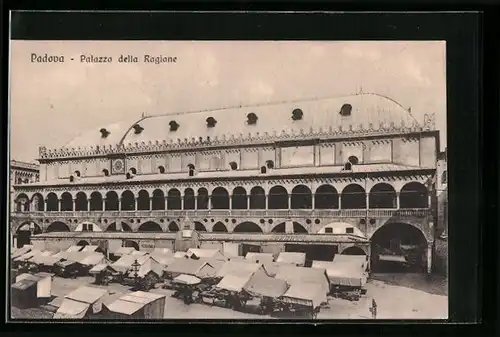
[{"x": 118, "y": 166}]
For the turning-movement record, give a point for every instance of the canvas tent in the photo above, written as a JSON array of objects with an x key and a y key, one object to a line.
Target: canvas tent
[
  {"x": 45, "y": 261},
  {"x": 297, "y": 259},
  {"x": 125, "y": 262},
  {"x": 75, "y": 248},
  {"x": 100, "y": 268},
  {"x": 163, "y": 259},
  {"x": 344, "y": 270},
  {"x": 198, "y": 268},
  {"x": 179, "y": 255},
  {"x": 307, "y": 294},
  {"x": 21, "y": 251},
  {"x": 138, "y": 305},
  {"x": 90, "y": 249},
  {"x": 214, "y": 254},
  {"x": 150, "y": 265},
  {"x": 165, "y": 251},
  {"x": 238, "y": 268},
  {"x": 260, "y": 257},
  {"x": 186, "y": 279},
  {"x": 124, "y": 251},
  {"x": 266, "y": 286},
  {"x": 138, "y": 253},
  {"x": 235, "y": 279},
  {"x": 300, "y": 275},
  {"x": 81, "y": 303},
  {"x": 92, "y": 259},
  {"x": 27, "y": 256}
]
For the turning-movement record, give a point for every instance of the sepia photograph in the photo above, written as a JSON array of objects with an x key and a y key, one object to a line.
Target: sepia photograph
[{"x": 228, "y": 180}]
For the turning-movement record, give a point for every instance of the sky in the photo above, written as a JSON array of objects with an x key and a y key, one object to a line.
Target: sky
[{"x": 52, "y": 103}]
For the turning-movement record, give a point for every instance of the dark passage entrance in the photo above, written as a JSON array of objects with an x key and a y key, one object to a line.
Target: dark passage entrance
[
  {"x": 314, "y": 252},
  {"x": 246, "y": 248}
]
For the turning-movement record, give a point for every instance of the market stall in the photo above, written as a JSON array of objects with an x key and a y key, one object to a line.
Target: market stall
[
  {"x": 293, "y": 258},
  {"x": 302, "y": 299},
  {"x": 81, "y": 303},
  {"x": 137, "y": 305}
]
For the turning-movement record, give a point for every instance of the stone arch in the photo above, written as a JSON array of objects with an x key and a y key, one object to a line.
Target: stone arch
[
  {"x": 150, "y": 226},
  {"x": 413, "y": 195},
  {"x": 158, "y": 200},
  {"x": 66, "y": 202},
  {"x": 219, "y": 227},
  {"x": 399, "y": 238},
  {"x": 112, "y": 201},
  {"x": 301, "y": 197},
  {"x": 22, "y": 199},
  {"x": 382, "y": 195},
  {"x": 52, "y": 202},
  {"x": 81, "y": 202},
  {"x": 199, "y": 226},
  {"x": 220, "y": 198},
  {"x": 123, "y": 227},
  {"x": 173, "y": 227},
  {"x": 131, "y": 243},
  {"x": 326, "y": 197},
  {"x": 353, "y": 250},
  {"x": 353, "y": 197},
  {"x": 281, "y": 228},
  {"x": 24, "y": 233},
  {"x": 83, "y": 243},
  {"x": 239, "y": 199},
  {"x": 189, "y": 199},
  {"x": 96, "y": 201},
  {"x": 202, "y": 198},
  {"x": 57, "y": 226},
  {"x": 37, "y": 202},
  {"x": 257, "y": 198},
  {"x": 173, "y": 199},
  {"x": 128, "y": 201},
  {"x": 247, "y": 227},
  {"x": 143, "y": 201},
  {"x": 278, "y": 197}
]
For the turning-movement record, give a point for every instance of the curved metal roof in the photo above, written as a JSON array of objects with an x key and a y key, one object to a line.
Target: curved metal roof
[{"x": 367, "y": 108}]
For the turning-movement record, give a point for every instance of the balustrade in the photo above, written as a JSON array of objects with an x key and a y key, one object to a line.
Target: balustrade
[{"x": 277, "y": 213}]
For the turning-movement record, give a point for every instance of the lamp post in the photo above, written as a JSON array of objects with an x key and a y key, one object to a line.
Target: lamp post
[{"x": 135, "y": 269}]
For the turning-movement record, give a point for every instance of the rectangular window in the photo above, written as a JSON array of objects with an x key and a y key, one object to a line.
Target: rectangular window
[
  {"x": 328, "y": 230},
  {"x": 91, "y": 227},
  {"x": 84, "y": 227},
  {"x": 349, "y": 230}
]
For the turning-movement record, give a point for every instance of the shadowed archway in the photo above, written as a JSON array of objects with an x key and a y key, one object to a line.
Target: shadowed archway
[
  {"x": 278, "y": 198},
  {"x": 220, "y": 198},
  {"x": 81, "y": 202},
  {"x": 189, "y": 199},
  {"x": 239, "y": 199},
  {"x": 301, "y": 197},
  {"x": 219, "y": 227},
  {"x": 257, "y": 198},
  {"x": 173, "y": 227},
  {"x": 174, "y": 199},
  {"x": 202, "y": 198},
  {"x": 112, "y": 201},
  {"x": 382, "y": 195},
  {"x": 247, "y": 227},
  {"x": 158, "y": 200},
  {"x": 57, "y": 226},
  {"x": 281, "y": 228},
  {"x": 96, "y": 201},
  {"x": 326, "y": 197},
  {"x": 122, "y": 227},
  {"x": 150, "y": 226},
  {"x": 52, "y": 202},
  {"x": 128, "y": 201},
  {"x": 143, "y": 201},
  {"x": 353, "y": 197},
  {"x": 413, "y": 195}
]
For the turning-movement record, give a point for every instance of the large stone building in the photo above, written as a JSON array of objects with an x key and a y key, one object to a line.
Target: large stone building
[{"x": 335, "y": 172}]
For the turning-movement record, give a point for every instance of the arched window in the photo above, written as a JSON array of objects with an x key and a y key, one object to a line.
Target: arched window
[
  {"x": 77, "y": 173},
  {"x": 345, "y": 110},
  {"x": 239, "y": 198},
  {"x": 105, "y": 172},
  {"x": 413, "y": 195},
  {"x": 133, "y": 170},
  {"x": 233, "y": 165},
  {"x": 174, "y": 199},
  {"x": 326, "y": 197},
  {"x": 353, "y": 197},
  {"x": 189, "y": 199},
  {"x": 353, "y": 160},
  {"x": 158, "y": 201},
  {"x": 257, "y": 198},
  {"x": 202, "y": 198},
  {"x": 297, "y": 114},
  {"x": 269, "y": 164},
  {"x": 143, "y": 203},
  {"x": 220, "y": 198},
  {"x": 128, "y": 201},
  {"x": 301, "y": 197},
  {"x": 382, "y": 195},
  {"x": 278, "y": 198},
  {"x": 263, "y": 170},
  {"x": 347, "y": 166},
  {"x": 95, "y": 201},
  {"x": 161, "y": 169},
  {"x": 191, "y": 170},
  {"x": 112, "y": 201}
]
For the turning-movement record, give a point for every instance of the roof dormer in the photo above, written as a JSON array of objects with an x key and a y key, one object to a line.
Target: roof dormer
[
  {"x": 252, "y": 118},
  {"x": 345, "y": 110},
  {"x": 173, "y": 125},
  {"x": 297, "y": 114},
  {"x": 104, "y": 133},
  {"x": 137, "y": 129},
  {"x": 211, "y": 122}
]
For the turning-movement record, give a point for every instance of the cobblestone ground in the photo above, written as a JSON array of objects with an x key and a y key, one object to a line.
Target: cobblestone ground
[{"x": 398, "y": 296}]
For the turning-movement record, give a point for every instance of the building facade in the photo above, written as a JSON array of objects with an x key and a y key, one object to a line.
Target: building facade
[
  {"x": 22, "y": 173},
  {"x": 360, "y": 165}
]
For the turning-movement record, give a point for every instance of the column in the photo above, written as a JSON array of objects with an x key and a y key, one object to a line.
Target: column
[
  {"x": 45, "y": 203},
  {"x": 230, "y": 202},
  {"x": 267, "y": 201},
  {"x": 119, "y": 204},
  {"x": 74, "y": 204},
  {"x": 150, "y": 203},
  {"x": 88, "y": 204},
  {"x": 135, "y": 204},
  {"x": 166, "y": 202},
  {"x": 182, "y": 201},
  {"x": 209, "y": 206},
  {"x": 429, "y": 258},
  {"x": 313, "y": 204},
  {"x": 367, "y": 197},
  {"x": 397, "y": 200},
  {"x": 289, "y": 201},
  {"x": 23, "y": 207},
  {"x": 104, "y": 204},
  {"x": 429, "y": 199},
  {"x": 340, "y": 201},
  {"x": 59, "y": 202},
  {"x": 196, "y": 202}
]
